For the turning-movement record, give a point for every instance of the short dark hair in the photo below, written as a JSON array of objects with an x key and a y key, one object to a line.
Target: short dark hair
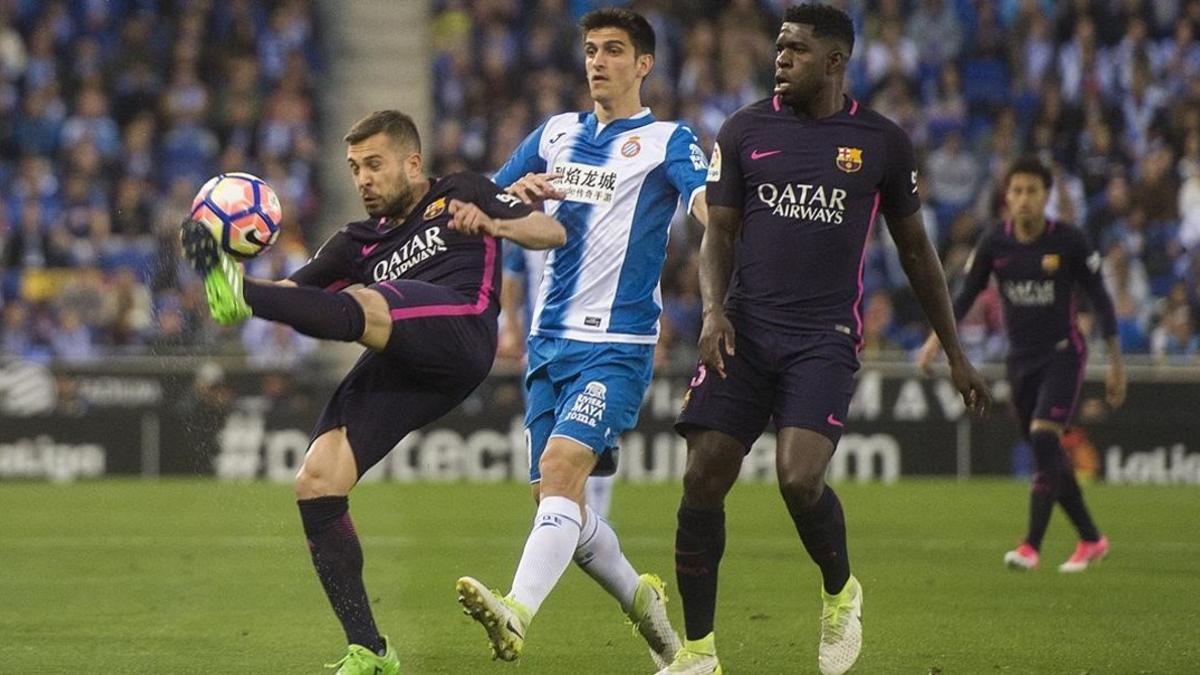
[
  {"x": 641, "y": 33},
  {"x": 397, "y": 125},
  {"x": 827, "y": 21},
  {"x": 1030, "y": 165}
]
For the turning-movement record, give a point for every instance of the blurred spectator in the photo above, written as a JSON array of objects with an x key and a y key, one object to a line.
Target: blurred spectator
[
  {"x": 111, "y": 116},
  {"x": 1175, "y": 340},
  {"x": 954, "y": 174}
]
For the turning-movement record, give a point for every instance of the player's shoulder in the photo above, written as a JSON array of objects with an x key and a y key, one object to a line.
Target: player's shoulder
[
  {"x": 673, "y": 130},
  {"x": 1071, "y": 235},
  {"x": 563, "y": 122},
  {"x": 358, "y": 229},
  {"x": 751, "y": 112},
  {"x": 870, "y": 117}
]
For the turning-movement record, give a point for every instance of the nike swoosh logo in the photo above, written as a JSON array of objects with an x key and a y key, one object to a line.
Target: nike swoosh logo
[
  {"x": 513, "y": 628},
  {"x": 367, "y": 250},
  {"x": 759, "y": 155},
  {"x": 1000, "y": 262},
  {"x": 833, "y": 421}
]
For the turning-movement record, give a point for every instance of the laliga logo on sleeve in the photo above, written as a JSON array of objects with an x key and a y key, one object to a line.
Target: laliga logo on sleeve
[{"x": 632, "y": 147}]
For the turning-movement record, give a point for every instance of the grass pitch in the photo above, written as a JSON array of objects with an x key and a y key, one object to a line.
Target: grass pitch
[{"x": 205, "y": 577}]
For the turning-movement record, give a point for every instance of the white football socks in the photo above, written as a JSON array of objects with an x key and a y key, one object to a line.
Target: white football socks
[
  {"x": 599, "y": 554},
  {"x": 598, "y": 493},
  {"x": 548, "y": 551}
]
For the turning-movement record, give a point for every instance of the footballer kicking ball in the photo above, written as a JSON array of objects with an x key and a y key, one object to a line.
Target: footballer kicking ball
[{"x": 242, "y": 212}]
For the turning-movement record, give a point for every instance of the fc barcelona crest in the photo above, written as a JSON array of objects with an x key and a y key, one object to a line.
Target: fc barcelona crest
[
  {"x": 435, "y": 209},
  {"x": 1050, "y": 263},
  {"x": 849, "y": 159}
]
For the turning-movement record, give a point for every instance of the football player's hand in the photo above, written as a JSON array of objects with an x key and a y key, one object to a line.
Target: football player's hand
[
  {"x": 536, "y": 187},
  {"x": 716, "y": 332},
  {"x": 470, "y": 219},
  {"x": 973, "y": 388},
  {"x": 927, "y": 354},
  {"x": 1114, "y": 384}
]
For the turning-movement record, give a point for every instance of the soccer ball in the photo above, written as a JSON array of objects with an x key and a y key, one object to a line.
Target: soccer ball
[{"x": 242, "y": 212}]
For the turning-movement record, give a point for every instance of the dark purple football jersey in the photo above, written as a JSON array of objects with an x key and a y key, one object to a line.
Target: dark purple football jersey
[
  {"x": 422, "y": 247},
  {"x": 809, "y": 192},
  {"x": 1037, "y": 282}
]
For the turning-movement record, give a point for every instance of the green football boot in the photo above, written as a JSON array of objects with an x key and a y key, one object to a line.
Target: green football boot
[
  {"x": 221, "y": 273},
  {"x": 362, "y": 661}
]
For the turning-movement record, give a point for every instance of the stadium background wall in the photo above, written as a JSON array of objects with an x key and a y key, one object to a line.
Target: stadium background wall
[{"x": 153, "y": 418}]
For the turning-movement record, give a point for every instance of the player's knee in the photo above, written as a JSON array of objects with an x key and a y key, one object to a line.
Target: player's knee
[
  {"x": 705, "y": 486},
  {"x": 561, "y": 476},
  {"x": 373, "y": 318},
  {"x": 802, "y": 489},
  {"x": 309, "y": 483}
]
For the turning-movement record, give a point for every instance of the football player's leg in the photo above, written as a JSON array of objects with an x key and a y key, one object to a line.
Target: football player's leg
[
  {"x": 1054, "y": 413},
  {"x": 506, "y": 621},
  {"x": 815, "y": 389},
  {"x": 322, "y": 485},
  {"x": 721, "y": 419},
  {"x": 599, "y": 494}
]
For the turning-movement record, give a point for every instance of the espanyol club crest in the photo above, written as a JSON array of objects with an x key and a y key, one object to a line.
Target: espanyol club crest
[
  {"x": 849, "y": 159},
  {"x": 435, "y": 209},
  {"x": 631, "y": 147}
]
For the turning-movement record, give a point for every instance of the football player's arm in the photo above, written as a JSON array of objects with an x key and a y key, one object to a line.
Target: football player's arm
[
  {"x": 924, "y": 272},
  {"x": 978, "y": 269},
  {"x": 498, "y": 214},
  {"x": 525, "y": 174},
  {"x": 536, "y": 231},
  {"x": 329, "y": 268},
  {"x": 700, "y": 207},
  {"x": 716, "y": 268},
  {"x": 687, "y": 170},
  {"x": 1087, "y": 264},
  {"x": 512, "y": 310}
]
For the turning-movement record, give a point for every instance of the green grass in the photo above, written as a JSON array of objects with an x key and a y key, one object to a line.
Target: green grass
[{"x": 203, "y": 577}]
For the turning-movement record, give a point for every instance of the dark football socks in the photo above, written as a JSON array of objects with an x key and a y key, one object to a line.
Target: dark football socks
[
  {"x": 325, "y": 315},
  {"x": 1071, "y": 499},
  {"x": 338, "y": 558},
  {"x": 699, "y": 545},
  {"x": 1047, "y": 482},
  {"x": 822, "y": 528}
]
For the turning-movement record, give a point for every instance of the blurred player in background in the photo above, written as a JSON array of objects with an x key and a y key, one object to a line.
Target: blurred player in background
[
  {"x": 417, "y": 283},
  {"x": 522, "y": 279},
  {"x": 1038, "y": 263},
  {"x": 614, "y": 177},
  {"x": 795, "y": 184}
]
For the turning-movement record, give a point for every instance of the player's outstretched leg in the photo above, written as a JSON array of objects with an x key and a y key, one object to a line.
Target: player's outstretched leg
[
  {"x": 221, "y": 273},
  {"x": 328, "y": 473},
  {"x": 642, "y": 598}
]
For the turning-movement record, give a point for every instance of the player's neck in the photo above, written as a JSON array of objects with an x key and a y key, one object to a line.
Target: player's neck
[
  {"x": 607, "y": 112},
  {"x": 1028, "y": 231},
  {"x": 420, "y": 189},
  {"x": 826, "y": 103}
]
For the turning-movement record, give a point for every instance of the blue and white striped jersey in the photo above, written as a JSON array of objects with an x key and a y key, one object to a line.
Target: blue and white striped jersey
[{"x": 623, "y": 181}]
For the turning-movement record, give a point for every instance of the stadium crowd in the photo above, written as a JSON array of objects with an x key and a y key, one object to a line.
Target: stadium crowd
[
  {"x": 1107, "y": 92},
  {"x": 112, "y": 114}
]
